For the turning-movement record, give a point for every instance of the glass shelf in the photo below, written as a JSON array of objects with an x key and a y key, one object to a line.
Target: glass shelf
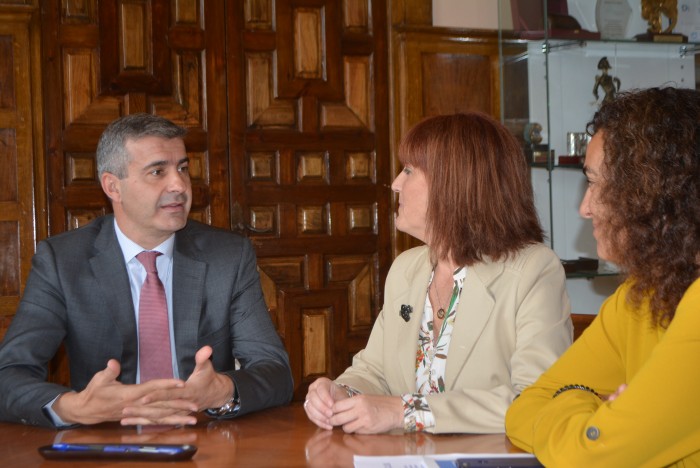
[
  {"x": 577, "y": 167},
  {"x": 601, "y": 272},
  {"x": 552, "y": 45},
  {"x": 551, "y": 86},
  {"x": 682, "y": 49}
]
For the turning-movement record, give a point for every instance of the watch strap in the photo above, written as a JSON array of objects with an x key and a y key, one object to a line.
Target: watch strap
[{"x": 229, "y": 408}]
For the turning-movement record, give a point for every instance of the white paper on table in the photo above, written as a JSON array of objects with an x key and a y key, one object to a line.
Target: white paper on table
[{"x": 426, "y": 461}]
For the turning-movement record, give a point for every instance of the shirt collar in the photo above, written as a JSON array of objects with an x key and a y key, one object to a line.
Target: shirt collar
[{"x": 130, "y": 248}]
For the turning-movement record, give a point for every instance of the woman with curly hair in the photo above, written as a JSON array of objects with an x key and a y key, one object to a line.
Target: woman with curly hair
[
  {"x": 625, "y": 393},
  {"x": 472, "y": 317}
]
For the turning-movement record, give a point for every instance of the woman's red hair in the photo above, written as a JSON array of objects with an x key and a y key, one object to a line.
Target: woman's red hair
[{"x": 481, "y": 202}]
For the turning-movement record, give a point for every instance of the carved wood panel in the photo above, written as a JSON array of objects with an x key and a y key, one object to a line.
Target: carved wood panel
[
  {"x": 310, "y": 168},
  {"x": 111, "y": 58},
  {"x": 19, "y": 132}
]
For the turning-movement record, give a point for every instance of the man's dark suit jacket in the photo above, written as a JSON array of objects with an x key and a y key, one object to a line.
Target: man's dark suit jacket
[{"x": 78, "y": 293}]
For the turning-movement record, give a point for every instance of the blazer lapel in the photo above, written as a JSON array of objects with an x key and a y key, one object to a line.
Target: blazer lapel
[
  {"x": 413, "y": 294},
  {"x": 473, "y": 313},
  {"x": 110, "y": 272},
  {"x": 188, "y": 301}
]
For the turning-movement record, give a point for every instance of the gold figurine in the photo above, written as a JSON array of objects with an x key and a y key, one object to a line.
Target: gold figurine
[{"x": 653, "y": 10}]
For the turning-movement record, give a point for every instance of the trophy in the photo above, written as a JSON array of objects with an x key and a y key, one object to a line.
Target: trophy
[
  {"x": 576, "y": 144},
  {"x": 653, "y": 11},
  {"x": 612, "y": 17},
  {"x": 535, "y": 152}
]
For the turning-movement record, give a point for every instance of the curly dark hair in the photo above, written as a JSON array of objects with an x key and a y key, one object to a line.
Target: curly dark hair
[
  {"x": 651, "y": 191},
  {"x": 480, "y": 202}
]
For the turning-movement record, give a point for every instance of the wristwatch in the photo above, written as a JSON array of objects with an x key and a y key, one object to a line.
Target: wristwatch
[{"x": 228, "y": 409}]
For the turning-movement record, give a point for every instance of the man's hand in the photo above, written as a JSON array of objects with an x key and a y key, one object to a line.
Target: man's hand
[
  {"x": 206, "y": 387},
  {"x": 322, "y": 395},
  {"x": 106, "y": 399},
  {"x": 368, "y": 414}
]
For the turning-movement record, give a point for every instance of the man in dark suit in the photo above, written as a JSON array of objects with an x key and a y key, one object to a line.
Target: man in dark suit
[{"x": 223, "y": 355}]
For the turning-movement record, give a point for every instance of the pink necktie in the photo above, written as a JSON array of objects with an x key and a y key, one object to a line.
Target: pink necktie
[{"x": 155, "y": 359}]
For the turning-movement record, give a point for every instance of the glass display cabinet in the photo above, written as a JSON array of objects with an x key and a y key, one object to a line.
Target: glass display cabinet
[{"x": 571, "y": 59}]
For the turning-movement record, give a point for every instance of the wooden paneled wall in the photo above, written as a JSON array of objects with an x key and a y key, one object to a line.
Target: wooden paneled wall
[
  {"x": 286, "y": 104},
  {"x": 22, "y": 203},
  {"x": 308, "y": 108}
]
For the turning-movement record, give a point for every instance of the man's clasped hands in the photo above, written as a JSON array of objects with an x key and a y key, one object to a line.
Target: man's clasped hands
[{"x": 160, "y": 401}]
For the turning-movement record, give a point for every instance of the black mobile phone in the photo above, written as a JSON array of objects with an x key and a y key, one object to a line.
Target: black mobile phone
[
  {"x": 517, "y": 461},
  {"x": 164, "y": 452}
]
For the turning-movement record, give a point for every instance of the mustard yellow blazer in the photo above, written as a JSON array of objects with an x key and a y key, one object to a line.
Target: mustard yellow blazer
[
  {"x": 655, "y": 422},
  {"x": 513, "y": 321}
]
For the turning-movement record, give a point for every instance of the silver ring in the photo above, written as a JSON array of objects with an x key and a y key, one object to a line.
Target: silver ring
[{"x": 306, "y": 402}]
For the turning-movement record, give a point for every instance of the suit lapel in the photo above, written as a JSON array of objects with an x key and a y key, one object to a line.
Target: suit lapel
[
  {"x": 475, "y": 307},
  {"x": 110, "y": 272},
  {"x": 188, "y": 300},
  {"x": 413, "y": 294}
]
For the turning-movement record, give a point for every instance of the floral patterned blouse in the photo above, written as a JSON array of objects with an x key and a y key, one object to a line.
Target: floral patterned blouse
[{"x": 431, "y": 359}]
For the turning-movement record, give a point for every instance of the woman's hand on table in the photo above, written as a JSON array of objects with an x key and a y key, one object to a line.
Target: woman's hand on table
[
  {"x": 322, "y": 395},
  {"x": 368, "y": 414}
]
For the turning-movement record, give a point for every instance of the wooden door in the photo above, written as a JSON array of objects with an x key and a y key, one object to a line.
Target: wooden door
[
  {"x": 20, "y": 146},
  {"x": 309, "y": 155},
  {"x": 111, "y": 58}
]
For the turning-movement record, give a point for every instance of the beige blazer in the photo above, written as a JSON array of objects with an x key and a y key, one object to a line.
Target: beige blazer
[{"x": 513, "y": 321}]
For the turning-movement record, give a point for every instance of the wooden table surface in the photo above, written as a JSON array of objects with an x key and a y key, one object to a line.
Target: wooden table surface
[{"x": 275, "y": 437}]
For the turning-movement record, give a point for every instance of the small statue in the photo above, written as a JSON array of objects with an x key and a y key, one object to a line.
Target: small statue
[
  {"x": 652, "y": 10},
  {"x": 610, "y": 84}
]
